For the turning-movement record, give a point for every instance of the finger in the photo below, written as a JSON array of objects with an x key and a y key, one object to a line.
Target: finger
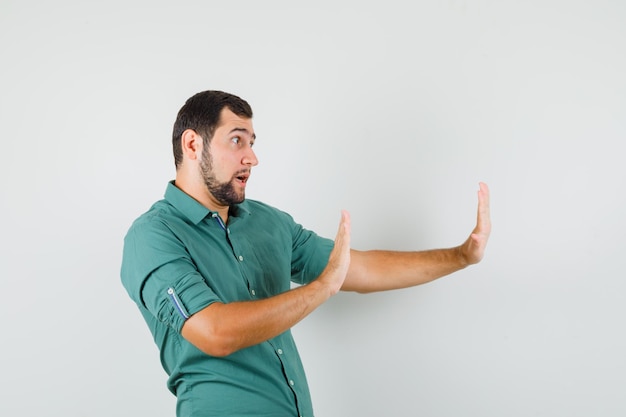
[
  {"x": 343, "y": 234},
  {"x": 483, "y": 221},
  {"x": 340, "y": 254},
  {"x": 345, "y": 221}
]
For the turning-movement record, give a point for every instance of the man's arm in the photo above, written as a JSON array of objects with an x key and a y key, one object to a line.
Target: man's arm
[
  {"x": 386, "y": 270},
  {"x": 221, "y": 329}
]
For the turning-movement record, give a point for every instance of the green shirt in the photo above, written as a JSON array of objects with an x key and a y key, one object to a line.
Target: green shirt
[{"x": 179, "y": 258}]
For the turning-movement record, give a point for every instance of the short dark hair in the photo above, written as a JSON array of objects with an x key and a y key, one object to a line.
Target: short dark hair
[{"x": 201, "y": 113}]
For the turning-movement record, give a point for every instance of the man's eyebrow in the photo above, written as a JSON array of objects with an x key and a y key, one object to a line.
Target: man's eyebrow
[{"x": 244, "y": 130}]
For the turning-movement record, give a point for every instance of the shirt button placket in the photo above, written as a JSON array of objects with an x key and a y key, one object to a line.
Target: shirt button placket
[
  {"x": 280, "y": 353},
  {"x": 290, "y": 381}
]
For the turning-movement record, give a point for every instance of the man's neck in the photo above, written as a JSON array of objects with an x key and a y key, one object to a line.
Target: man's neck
[{"x": 198, "y": 191}]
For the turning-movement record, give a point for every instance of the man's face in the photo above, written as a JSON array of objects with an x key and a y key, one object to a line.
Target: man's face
[{"x": 226, "y": 163}]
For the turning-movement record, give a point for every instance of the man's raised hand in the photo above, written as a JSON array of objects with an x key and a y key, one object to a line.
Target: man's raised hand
[
  {"x": 339, "y": 261},
  {"x": 473, "y": 249}
]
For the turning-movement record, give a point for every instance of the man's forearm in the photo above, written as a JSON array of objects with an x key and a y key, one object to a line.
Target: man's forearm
[
  {"x": 221, "y": 329},
  {"x": 377, "y": 270}
]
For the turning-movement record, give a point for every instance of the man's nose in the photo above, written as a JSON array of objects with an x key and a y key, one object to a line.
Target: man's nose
[{"x": 250, "y": 158}]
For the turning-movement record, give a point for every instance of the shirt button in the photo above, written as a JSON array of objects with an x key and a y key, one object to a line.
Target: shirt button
[
  {"x": 240, "y": 258},
  {"x": 253, "y": 292},
  {"x": 280, "y": 351},
  {"x": 291, "y": 382}
]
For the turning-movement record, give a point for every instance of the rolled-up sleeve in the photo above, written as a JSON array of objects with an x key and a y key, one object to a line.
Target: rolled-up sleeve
[{"x": 160, "y": 276}]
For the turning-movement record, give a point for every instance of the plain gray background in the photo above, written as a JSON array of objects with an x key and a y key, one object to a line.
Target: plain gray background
[{"x": 392, "y": 110}]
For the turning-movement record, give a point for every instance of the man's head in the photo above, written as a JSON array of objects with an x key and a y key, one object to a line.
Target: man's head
[
  {"x": 201, "y": 113},
  {"x": 212, "y": 139}
]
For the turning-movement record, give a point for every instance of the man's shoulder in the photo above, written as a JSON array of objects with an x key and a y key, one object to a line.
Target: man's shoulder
[{"x": 158, "y": 215}]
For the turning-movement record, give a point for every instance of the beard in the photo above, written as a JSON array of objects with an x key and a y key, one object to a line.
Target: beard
[{"x": 224, "y": 192}]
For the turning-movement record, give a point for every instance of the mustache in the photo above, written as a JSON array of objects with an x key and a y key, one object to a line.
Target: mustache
[{"x": 245, "y": 171}]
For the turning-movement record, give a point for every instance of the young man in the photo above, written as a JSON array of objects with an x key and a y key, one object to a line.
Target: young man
[{"x": 210, "y": 271}]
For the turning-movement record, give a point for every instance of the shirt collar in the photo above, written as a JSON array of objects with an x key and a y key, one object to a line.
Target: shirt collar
[{"x": 192, "y": 209}]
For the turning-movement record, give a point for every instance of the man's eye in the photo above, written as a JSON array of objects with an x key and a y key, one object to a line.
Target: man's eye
[{"x": 236, "y": 139}]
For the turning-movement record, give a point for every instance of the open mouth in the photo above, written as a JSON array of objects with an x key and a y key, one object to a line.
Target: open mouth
[{"x": 243, "y": 177}]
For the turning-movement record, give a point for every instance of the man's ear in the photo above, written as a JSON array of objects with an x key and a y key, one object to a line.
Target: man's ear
[{"x": 191, "y": 144}]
